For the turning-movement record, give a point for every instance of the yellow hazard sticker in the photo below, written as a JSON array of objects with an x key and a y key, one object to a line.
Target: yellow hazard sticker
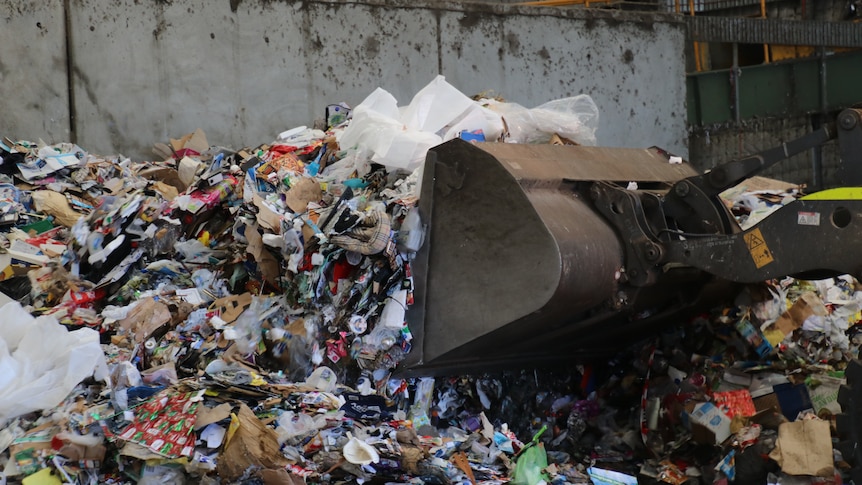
[{"x": 758, "y": 249}]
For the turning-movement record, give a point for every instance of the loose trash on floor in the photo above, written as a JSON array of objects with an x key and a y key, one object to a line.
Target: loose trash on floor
[{"x": 222, "y": 315}]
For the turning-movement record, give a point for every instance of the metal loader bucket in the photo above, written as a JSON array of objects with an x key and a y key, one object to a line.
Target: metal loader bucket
[{"x": 513, "y": 252}]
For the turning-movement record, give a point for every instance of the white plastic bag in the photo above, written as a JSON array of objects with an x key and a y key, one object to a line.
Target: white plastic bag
[
  {"x": 479, "y": 118},
  {"x": 386, "y": 140},
  {"x": 400, "y": 138},
  {"x": 575, "y": 118},
  {"x": 435, "y": 106},
  {"x": 41, "y": 361},
  {"x": 291, "y": 425}
]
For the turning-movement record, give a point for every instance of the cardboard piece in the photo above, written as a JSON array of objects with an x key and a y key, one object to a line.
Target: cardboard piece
[
  {"x": 145, "y": 318},
  {"x": 76, "y": 452},
  {"x": 169, "y": 192},
  {"x": 301, "y": 193},
  {"x": 280, "y": 477},
  {"x": 163, "y": 151},
  {"x": 267, "y": 217},
  {"x": 140, "y": 452},
  {"x": 56, "y": 205},
  {"x": 252, "y": 445},
  {"x": 196, "y": 142},
  {"x": 38, "y": 438},
  {"x": 767, "y": 402},
  {"x": 165, "y": 175},
  {"x": 460, "y": 460},
  {"x": 265, "y": 260},
  {"x": 806, "y": 305},
  {"x": 804, "y": 448},
  {"x": 561, "y": 140},
  {"x": 708, "y": 424},
  {"x": 758, "y": 183},
  {"x": 208, "y": 416},
  {"x": 231, "y": 307},
  {"x": 768, "y": 418},
  {"x": 188, "y": 168}
]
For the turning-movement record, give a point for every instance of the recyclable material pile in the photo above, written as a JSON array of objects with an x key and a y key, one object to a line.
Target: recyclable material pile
[
  {"x": 225, "y": 315},
  {"x": 235, "y": 316}
]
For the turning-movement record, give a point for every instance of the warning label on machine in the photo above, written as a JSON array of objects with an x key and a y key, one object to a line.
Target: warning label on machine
[
  {"x": 758, "y": 249},
  {"x": 808, "y": 218}
]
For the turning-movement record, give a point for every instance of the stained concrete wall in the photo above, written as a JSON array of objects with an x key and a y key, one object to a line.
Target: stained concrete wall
[
  {"x": 244, "y": 70},
  {"x": 34, "y": 98}
]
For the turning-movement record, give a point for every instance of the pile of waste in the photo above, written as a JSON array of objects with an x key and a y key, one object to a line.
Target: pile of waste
[
  {"x": 224, "y": 314},
  {"x": 235, "y": 316}
]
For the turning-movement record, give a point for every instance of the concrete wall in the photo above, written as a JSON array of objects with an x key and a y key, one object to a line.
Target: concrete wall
[
  {"x": 34, "y": 97},
  {"x": 245, "y": 70}
]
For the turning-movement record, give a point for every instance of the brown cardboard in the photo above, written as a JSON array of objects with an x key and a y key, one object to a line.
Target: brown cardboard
[
  {"x": 55, "y": 204},
  {"x": 36, "y": 445},
  {"x": 301, "y": 193},
  {"x": 265, "y": 260},
  {"x": 767, "y": 418},
  {"x": 166, "y": 175},
  {"x": 768, "y": 401},
  {"x": 169, "y": 192},
  {"x": 561, "y": 140},
  {"x": 701, "y": 434},
  {"x": 196, "y": 141},
  {"x": 252, "y": 445},
  {"x": 207, "y": 415},
  {"x": 758, "y": 183},
  {"x": 804, "y": 448},
  {"x": 460, "y": 460},
  {"x": 76, "y": 452},
  {"x": 807, "y": 305},
  {"x": 187, "y": 169},
  {"x": 163, "y": 150},
  {"x": 267, "y": 217},
  {"x": 145, "y": 318},
  {"x": 280, "y": 477},
  {"x": 231, "y": 307},
  {"x": 141, "y": 452}
]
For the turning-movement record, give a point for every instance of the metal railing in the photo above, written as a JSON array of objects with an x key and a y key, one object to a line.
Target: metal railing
[{"x": 674, "y": 6}]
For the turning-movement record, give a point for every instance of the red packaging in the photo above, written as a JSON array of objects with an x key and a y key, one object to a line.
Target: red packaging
[{"x": 735, "y": 403}]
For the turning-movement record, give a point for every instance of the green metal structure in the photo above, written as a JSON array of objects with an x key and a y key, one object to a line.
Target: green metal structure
[{"x": 822, "y": 84}]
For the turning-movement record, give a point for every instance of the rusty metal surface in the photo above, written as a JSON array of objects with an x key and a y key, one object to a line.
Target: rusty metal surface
[
  {"x": 774, "y": 31},
  {"x": 502, "y": 263},
  {"x": 551, "y": 164}
]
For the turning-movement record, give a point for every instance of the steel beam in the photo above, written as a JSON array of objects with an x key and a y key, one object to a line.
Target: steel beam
[{"x": 774, "y": 31}]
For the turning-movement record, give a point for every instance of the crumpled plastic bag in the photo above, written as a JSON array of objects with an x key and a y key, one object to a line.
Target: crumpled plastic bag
[
  {"x": 376, "y": 130},
  {"x": 291, "y": 425},
  {"x": 530, "y": 466},
  {"x": 400, "y": 138},
  {"x": 576, "y": 118},
  {"x": 41, "y": 361}
]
